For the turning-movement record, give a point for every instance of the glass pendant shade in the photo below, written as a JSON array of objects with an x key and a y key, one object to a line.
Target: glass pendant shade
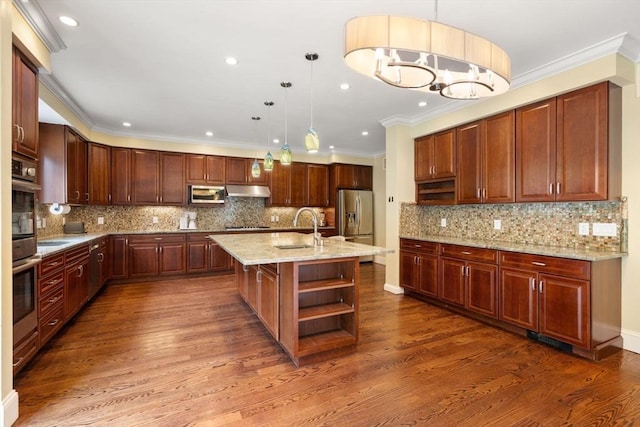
[
  {"x": 285, "y": 154},
  {"x": 311, "y": 141},
  {"x": 255, "y": 169},
  {"x": 285, "y": 151},
  {"x": 267, "y": 166},
  {"x": 268, "y": 162}
]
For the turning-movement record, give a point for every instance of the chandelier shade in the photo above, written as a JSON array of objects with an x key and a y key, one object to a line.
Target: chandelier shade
[
  {"x": 425, "y": 55},
  {"x": 285, "y": 151},
  {"x": 268, "y": 158}
]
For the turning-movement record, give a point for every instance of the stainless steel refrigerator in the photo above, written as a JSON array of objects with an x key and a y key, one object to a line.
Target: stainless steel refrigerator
[{"x": 355, "y": 217}]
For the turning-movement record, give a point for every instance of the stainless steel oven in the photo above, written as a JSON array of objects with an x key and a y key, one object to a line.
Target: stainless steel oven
[{"x": 25, "y": 310}]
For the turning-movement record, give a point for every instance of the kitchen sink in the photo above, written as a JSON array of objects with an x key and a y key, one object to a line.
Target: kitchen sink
[
  {"x": 293, "y": 246},
  {"x": 52, "y": 243}
]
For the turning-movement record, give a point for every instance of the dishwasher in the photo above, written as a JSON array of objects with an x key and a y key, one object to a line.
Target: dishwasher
[{"x": 94, "y": 268}]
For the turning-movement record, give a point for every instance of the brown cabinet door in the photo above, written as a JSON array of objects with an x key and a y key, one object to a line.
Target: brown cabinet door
[
  {"x": 143, "y": 259},
  {"x": 196, "y": 168},
  {"x": 444, "y": 154},
  {"x": 318, "y": 185},
  {"x": 519, "y": 298},
  {"x": 298, "y": 185},
  {"x": 452, "y": 281},
  {"x": 582, "y": 144},
  {"x": 482, "y": 289},
  {"x": 76, "y": 287},
  {"x": 423, "y": 158},
  {"x": 172, "y": 258},
  {"x": 469, "y": 183},
  {"x": 215, "y": 170},
  {"x": 428, "y": 275},
  {"x": 119, "y": 257},
  {"x": 408, "y": 270},
  {"x": 25, "y": 106},
  {"x": 498, "y": 159},
  {"x": 172, "y": 181},
  {"x": 363, "y": 177},
  {"x": 219, "y": 259},
  {"x": 269, "y": 301},
  {"x": 99, "y": 173},
  {"x": 280, "y": 180},
  {"x": 144, "y": 183},
  {"x": 104, "y": 258},
  {"x": 536, "y": 152},
  {"x": 197, "y": 257},
  {"x": 121, "y": 166},
  {"x": 235, "y": 170},
  {"x": 76, "y": 168},
  {"x": 344, "y": 176},
  {"x": 564, "y": 309}
]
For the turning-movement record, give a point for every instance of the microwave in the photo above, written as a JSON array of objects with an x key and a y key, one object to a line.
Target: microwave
[{"x": 206, "y": 194}]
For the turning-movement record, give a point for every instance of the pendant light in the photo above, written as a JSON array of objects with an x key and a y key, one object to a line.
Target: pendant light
[
  {"x": 268, "y": 158},
  {"x": 285, "y": 151},
  {"x": 255, "y": 167},
  {"x": 311, "y": 139}
]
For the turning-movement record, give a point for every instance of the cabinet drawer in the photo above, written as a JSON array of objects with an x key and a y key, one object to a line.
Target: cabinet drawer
[
  {"x": 157, "y": 238},
  {"x": 469, "y": 253},
  {"x": 51, "y": 323},
  {"x": 46, "y": 302},
  {"x": 52, "y": 281},
  {"x": 51, "y": 263},
  {"x": 73, "y": 255},
  {"x": 545, "y": 264},
  {"x": 25, "y": 351},
  {"x": 419, "y": 246},
  {"x": 201, "y": 237}
]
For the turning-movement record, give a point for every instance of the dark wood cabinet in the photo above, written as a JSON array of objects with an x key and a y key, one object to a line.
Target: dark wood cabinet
[
  {"x": 264, "y": 296},
  {"x": 158, "y": 178},
  {"x": 288, "y": 185},
  {"x": 156, "y": 255},
  {"x": 238, "y": 171},
  {"x": 205, "y": 255},
  {"x": 98, "y": 174},
  {"x": 121, "y": 168},
  {"x": 348, "y": 176},
  {"x": 51, "y": 290},
  {"x": 318, "y": 185},
  {"x": 63, "y": 165},
  {"x": 419, "y": 266},
  {"x": 205, "y": 170},
  {"x": 452, "y": 281},
  {"x": 172, "y": 182},
  {"x": 76, "y": 281},
  {"x": 435, "y": 156},
  {"x": 486, "y": 160},
  {"x": 24, "y": 106}
]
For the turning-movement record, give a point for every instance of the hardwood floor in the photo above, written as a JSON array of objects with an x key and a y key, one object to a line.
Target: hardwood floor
[{"x": 189, "y": 352}]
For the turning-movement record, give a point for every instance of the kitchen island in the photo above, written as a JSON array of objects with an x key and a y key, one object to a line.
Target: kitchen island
[{"x": 306, "y": 296}]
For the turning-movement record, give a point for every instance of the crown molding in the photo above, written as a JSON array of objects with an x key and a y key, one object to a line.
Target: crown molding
[
  {"x": 52, "y": 84},
  {"x": 35, "y": 16}
]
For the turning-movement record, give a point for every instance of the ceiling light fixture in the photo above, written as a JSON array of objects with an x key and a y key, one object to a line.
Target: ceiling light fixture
[
  {"x": 285, "y": 151},
  {"x": 255, "y": 166},
  {"x": 345, "y": 86},
  {"x": 69, "y": 21},
  {"x": 126, "y": 124},
  {"x": 268, "y": 158},
  {"x": 209, "y": 133},
  {"x": 425, "y": 55},
  {"x": 231, "y": 60},
  {"x": 311, "y": 139}
]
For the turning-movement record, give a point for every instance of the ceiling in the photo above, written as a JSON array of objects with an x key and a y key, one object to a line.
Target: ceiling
[{"x": 160, "y": 64}]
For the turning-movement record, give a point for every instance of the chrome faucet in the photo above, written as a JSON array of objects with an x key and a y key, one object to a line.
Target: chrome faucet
[{"x": 317, "y": 241}]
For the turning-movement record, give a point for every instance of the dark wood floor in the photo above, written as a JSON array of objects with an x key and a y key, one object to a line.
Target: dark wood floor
[{"x": 189, "y": 352}]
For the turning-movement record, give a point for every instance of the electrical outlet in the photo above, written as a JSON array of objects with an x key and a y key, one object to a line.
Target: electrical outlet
[
  {"x": 605, "y": 229},
  {"x": 273, "y": 218},
  {"x": 277, "y": 218},
  {"x": 583, "y": 229},
  {"x": 154, "y": 220},
  {"x": 497, "y": 224},
  {"x": 44, "y": 222},
  {"x": 443, "y": 222},
  {"x": 100, "y": 220}
]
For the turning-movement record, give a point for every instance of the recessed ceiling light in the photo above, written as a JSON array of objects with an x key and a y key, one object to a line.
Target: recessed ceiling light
[
  {"x": 331, "y": 147},
  {"x": 126, "y": 124},
  {"x": 209, "y": 133},
  {"x": 365, "y": 133},
  {"x": 67, "y": 20},
  {"x": 345, "y": 86},
  {"x": 231, "y": 60},
  {"x": 276, "y": 141},
  {"x": 422, "y": 104}
]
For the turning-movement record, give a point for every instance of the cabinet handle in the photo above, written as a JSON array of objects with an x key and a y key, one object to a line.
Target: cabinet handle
[
  {"x": 259, "y": 276},
  {"x": 19, "y": 361},
  {"x": 539, "y": 264},
  {"x": 417, "y": 246},
  {"x": 468, "y": 271},
  {"x": 100, "y": 257},
  {"x": 532, "y": 282},
  {"x": 54, "y": 322},
  {"x": 541, "y": 286},
  {"x": 128, "y": 197},
  {"x": 157, "y": 238},
  {"x": 80, "y": 270},
  {"x": 477, "y": 193},
  {"x": 86, "y": 196},
  {"x": 77, "y": 194},
  {"x": 53, "y": 264},
  {"x": 558, "y": 187},
  {"x": 109, "y": 196},
  {"x": 484, "y": 193},
  {"x": 466, "y": 252},
  {"x": 53, "y": 300},
  {"x": 462, "y": 270}
]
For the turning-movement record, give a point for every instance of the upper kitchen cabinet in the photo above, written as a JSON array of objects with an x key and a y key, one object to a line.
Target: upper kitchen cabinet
[
  {"x": 158, "y": 178},
  {"x": 568, "y": 147},
  {"x": 486, "y": 160},
  {"x": 357, "y": 177},
  {"x": 318, "y": 185},
  {"x": 24, "y": 106},
  {"x": 99, "y": 173},
  {"x": 121, "y": 160},
  {"x": 288, "y": 184},
  {"x": 238, "y": 171},
  {"x": 205, "y": 170},
  {"x": 435, "y": 156},
  {"x": 63, "y": 165}
]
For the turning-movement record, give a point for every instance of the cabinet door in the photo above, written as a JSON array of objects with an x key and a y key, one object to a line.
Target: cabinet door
[
  {"x": 298, "y": 185},
  {"x": 172, "y": 182},
  {"x": 172, "y": 258},
  {"x": 104, "y": 258},
  {"x": 25, "y": 106},
  {"x": 219, "y": 259},
  {"x": 498, "y": 159},
  {"x": 99, "y": 173},
  {"x": 452, "y": 279},
  {"x": 196, "y": 169},
  {"x": 143, "y": 259},
  {"x": 482, "y": 289},
  {"x": 536, "y": 152},
  {"x": 428, "y": 275},
  {"x": 423, "y": 158},
  {"x": 444, "y": 154},
  {"x": 280, "y": 180},
  {"x": 564, "y": 309},
  {"x": 235, "y": 170},
  {"x": 408, "y": 273},
  {"x": 519, "y": 298},
  {"x": 76, "y": 168},
  {"x": 144, "y": 183},
  {"x": 215, "y": 170},
  {"x": 469, "y": 184},
  {"x": 252, "y": 287},
  {"x": 121, "y": 166},
  {"x": 269, "y": 301},
  {"x": 343, "y": 176},
  {"x": 582, "y": 144},
  {"x": 363, "y": 177},
  {"x": 119, "y": 257},
  {"x": 197, "y": 257},
  {"x": 76, "y": 287},
  {"x": 318, "y": 185}
]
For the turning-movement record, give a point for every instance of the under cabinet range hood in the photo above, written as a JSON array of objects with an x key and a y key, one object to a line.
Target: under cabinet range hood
[{"x": 248, "y": 191}]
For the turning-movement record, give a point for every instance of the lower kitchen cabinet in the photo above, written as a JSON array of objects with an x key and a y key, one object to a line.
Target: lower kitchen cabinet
[
  {"x": 157, "y": 255},
  {"x": 204, "y": 255},
  {"x": 118, "y": 265},
  {"x": 76, "y": 280},
  {"x": 51, "y": 287},
  {"x": 419, "y": 266}
]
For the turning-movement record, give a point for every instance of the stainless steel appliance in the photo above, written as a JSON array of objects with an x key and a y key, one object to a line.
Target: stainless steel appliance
[
  {"x": 354, "y": 217},
  {"x": 206, "y": 194}
]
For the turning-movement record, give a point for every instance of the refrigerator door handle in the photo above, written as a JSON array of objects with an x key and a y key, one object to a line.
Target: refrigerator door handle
[{"x": 359, "y": 212}]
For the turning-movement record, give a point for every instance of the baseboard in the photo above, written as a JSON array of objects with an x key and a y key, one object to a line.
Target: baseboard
[
  {"x": 631, "y": 340},
  {"x": 9, "y": 409},
  {"x": 394, "y": 289}
]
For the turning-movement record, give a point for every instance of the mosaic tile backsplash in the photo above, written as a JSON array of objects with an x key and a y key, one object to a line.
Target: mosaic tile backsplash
[
  {"x": 235, "y": 212},
  {"x": 550, "y": 224}
]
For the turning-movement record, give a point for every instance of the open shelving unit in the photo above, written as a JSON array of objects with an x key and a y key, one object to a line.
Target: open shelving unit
[
  {"x": 436, "y": 192},
  {"x": 319, "y": 308}
]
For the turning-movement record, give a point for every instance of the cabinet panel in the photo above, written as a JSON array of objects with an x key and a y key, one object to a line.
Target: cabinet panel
[
  {"x": 518, "y": 298},
  {"x": 119, "y": 257},
  {"x": 76, "y": 287},
  {"x": 219, "y": 259},
  {"x": 428, "y": 275},
  {"x": 469, "y": 179},
  {"x": 423, "y": 155},
  {"x": 482, "y": 289},
  {"x": 445, "y": 154},
  {"x": 318, "y": 185},
  {"x": 144, "y": 188},
  {"x": 564, "y": 309},
  {"x": 24, "y": 106},
  {"x": 197, "y": 257},
  {"x": 498, "y": 159},
  {"x": 143, "y": 259},
  {"x": 452, "y": 279},
  {"x": 76, "y": 168},
  {"x": 268, "y": 301},
  {"x": 298, "y": 195},
  {"x": 99, "y": 173},
  {"x": 408, "y": 273},
  {"x": 203, "y": 169},
  {"x": 172, "y": 258},
  {"x": 172, "y": 181},
  {"x": 121, "y": 167}
]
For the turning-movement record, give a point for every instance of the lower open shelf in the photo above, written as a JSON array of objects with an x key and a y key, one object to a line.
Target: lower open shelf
[
  {"x": 324, "y": 310},
  {"x": 324, "y": 341}
]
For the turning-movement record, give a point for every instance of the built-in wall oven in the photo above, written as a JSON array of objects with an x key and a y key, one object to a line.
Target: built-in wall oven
[{"x": 24, "y": 247}]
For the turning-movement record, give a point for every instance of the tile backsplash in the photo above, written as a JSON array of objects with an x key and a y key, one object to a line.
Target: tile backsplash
[{"x": 551, "y": 224}]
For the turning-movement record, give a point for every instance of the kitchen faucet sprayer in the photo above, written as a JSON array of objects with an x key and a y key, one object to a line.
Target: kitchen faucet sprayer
[{"x": 317, "y": 241}]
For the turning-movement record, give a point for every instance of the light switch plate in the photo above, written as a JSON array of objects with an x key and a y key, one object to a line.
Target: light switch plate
[
  {"x": 154, "y": 220},
  {"x": 497, "y": 224},
  {"x": 100, "y": 220},
  {"x": 443, "y": 222},
  {"x": 605, "y": 229},
  {"x": 583, "y": 229}
]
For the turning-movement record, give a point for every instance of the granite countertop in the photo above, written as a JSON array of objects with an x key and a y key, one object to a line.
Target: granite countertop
[
  {"x": 562, "y": 252},
  {"x": 66, "y": 241},
  {"x": 260, "y": 248}
]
